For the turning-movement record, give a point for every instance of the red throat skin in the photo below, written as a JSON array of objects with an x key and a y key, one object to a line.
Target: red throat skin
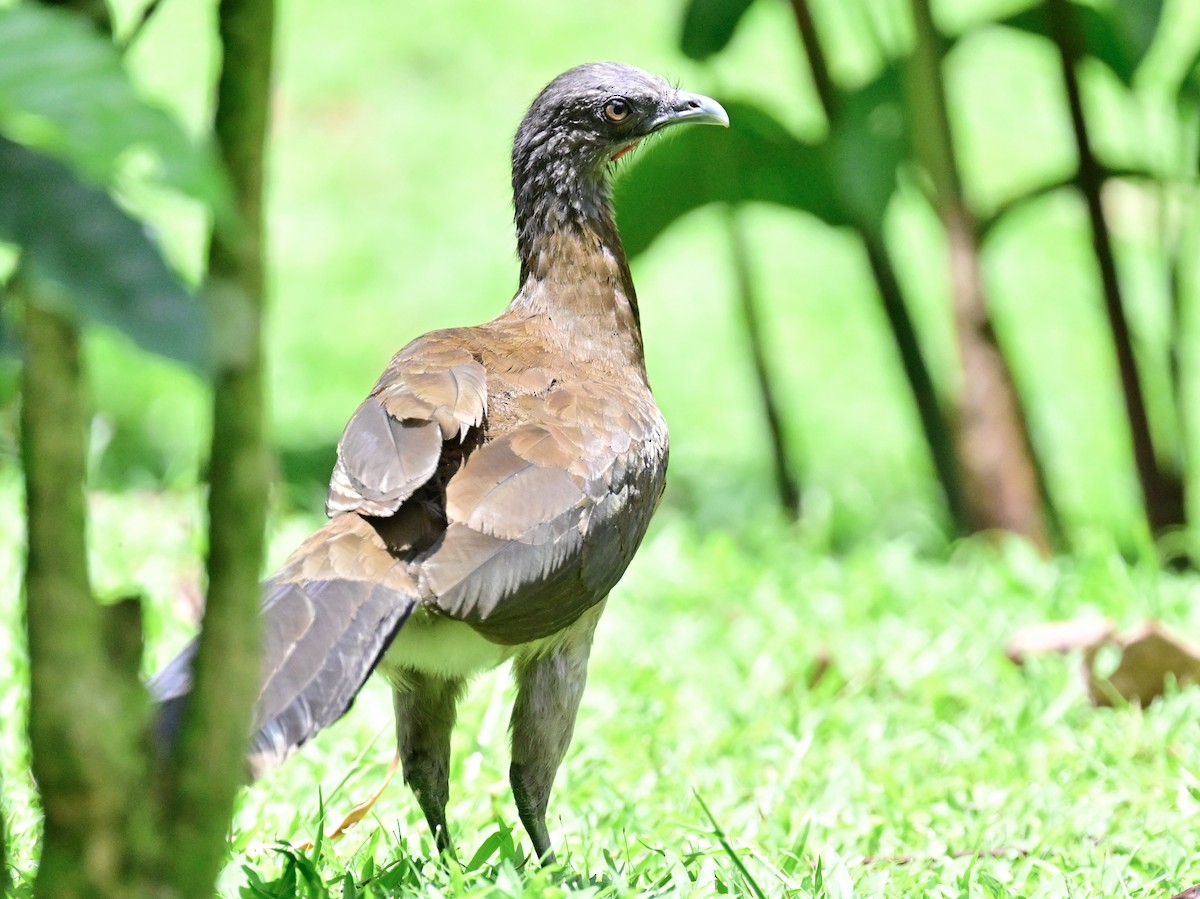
[{"x": 621, "y": 152}]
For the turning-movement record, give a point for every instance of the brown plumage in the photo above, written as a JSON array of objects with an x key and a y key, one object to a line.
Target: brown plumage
[{"x": 493, "y": 486}]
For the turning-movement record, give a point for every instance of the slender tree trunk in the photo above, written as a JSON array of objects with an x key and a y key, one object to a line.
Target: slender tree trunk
[
  {"x": 107, "y": 833},
  {"x": 1179, "y": 266},
  {"x": 85, "y": 729},
  {"x": 1185, "y": 267},
  {"x": 5, "y": 880},
  {"x": 904, "y": 333},
  {"x": 207, "y": 767},
  {"x": 786, "y": 486},
  {"x": 920, "y": 383},
  {"x": 1162, "y": 494},
  {"x": 991, "y": 437}
]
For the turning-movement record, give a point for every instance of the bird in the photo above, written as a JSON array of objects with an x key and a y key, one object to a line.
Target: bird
[{"x": 492, "y": 488}]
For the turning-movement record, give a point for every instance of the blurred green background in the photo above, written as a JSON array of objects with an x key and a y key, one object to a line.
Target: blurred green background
[{"x": 389, "y": 215}]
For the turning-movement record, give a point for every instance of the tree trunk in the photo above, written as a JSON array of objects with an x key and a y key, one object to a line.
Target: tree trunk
[
  {"x": 86, "y": 722},
  {"x": 207, "y": 767},
  {"x": 920, "y": 383},
  {"x": 904, "y": 332},
  {"x": 108, "y": 832},
  {"x": 991, "y": 438},
  {"x": 1162, "y": 493},
  {"x": 5, "y": 881},
  {"x": 1185, "y": 291},
  {"x": 786, "y": 486}
]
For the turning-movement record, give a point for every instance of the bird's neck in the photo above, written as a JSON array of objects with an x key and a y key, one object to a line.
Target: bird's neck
[{"x": 574, "y": 273}]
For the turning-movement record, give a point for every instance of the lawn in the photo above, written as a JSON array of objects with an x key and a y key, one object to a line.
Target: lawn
[{"x": 921, "y": 762}]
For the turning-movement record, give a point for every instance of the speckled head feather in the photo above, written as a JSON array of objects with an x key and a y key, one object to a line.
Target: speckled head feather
[{"x": 579, "y": 124}]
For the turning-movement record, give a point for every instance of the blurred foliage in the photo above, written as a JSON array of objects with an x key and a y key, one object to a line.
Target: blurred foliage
[
  {"x": 758, "y": 160},
  {"x": 425, "y": 112},
  {"x": 1116, "y": 34},
  {"x": 104, "y": 265},
  {"x": 868, "y": 140},
  {"x": 65, "y": 92},
  {"x": 865, "y": 155},
  {"x": 847, "y": 177},
  {"x": 64, "y": 95}
]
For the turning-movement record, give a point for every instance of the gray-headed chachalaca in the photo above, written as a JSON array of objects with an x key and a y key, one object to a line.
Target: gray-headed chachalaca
[{"x": 492, "y": 488}]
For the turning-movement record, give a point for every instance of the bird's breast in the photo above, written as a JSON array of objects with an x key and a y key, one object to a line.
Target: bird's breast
[{"x": 433, "y": 644}]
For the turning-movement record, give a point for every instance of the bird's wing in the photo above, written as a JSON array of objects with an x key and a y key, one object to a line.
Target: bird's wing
[
  {"x": 529, "y": 544},
  {"x": 328, "y": 616},
  {"x": 434, "y": 390}
]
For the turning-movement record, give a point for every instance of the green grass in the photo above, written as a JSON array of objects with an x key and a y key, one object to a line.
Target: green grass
[{"x": 923, "y": 763}]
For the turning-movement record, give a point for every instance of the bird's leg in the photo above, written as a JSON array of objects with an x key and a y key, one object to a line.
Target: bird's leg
[
  {"x": 549, "y": 688},
  {"x": 425, "y": 708}
]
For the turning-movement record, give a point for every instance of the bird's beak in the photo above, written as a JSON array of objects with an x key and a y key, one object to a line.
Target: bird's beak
[{"x": 694, "y": 108}]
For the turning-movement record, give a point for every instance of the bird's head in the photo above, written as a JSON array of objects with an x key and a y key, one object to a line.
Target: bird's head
[
  {"x": 582, "y": 122},
  {"x": 596, "y": 113}
]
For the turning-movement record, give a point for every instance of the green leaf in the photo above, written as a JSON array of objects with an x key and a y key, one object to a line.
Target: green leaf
[
  {"x": 756, "y": 160},
  {"x": 1188, "y": 88},
  {"x": 708, "y": 25},
  {"x": 867, "y": 144},
  {"x": 1118, "y": 34},
  {"x": 75, "y": 235},
  {"x": 487, "y": 849},
  {"x": 63, "y": 90},
  {"x": 1135, "y": 25},
  {"x": 989, "y": 221}
]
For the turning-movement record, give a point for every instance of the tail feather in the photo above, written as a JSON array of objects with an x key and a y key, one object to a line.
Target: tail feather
[{"x": 328, "y": 616}]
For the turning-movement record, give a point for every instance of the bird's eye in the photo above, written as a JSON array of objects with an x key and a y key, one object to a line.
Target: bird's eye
[{"x": 617, "y": 110}]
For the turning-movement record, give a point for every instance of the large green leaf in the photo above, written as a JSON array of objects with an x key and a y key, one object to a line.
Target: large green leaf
[
  {"x": 109, "y": 270},
  {"x": 1188, "y": 78},
  {"x": 708, "y": 25},
  {"x": 1189, "y": 87},
  {"x": 756, "y": 159},
  {"x": 1118, "y": 34},
  {"x": 64, "y": 91},
  {"x": 867, "y": 144},
  {"x": 989, "y": 222}
]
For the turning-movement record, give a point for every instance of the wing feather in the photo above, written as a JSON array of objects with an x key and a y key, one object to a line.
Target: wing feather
[
  {"x": 327, "y": 617},
  {"x": 433, "y": 391},
  {"x": 503, "y": 494}
]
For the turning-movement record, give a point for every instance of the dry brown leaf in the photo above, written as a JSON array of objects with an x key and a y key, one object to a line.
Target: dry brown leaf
[
  {"x": 359, "y": 811},
  {"x": 1058, "y": 637},
  {"x": 1148, "y": 654},
  {"x": 822, "y": 662}
]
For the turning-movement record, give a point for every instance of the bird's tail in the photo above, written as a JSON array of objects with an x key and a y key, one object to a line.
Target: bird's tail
[{"x": 328, "y": 616}]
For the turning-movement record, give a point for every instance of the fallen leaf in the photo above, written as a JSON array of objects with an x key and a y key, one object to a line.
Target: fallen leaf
[
  {"x": 359, "y": 811},
  {"x": 822, "y": 662},
  {"x": 1148, "y": 654},
  {"x": 1058, "y": 637}
]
